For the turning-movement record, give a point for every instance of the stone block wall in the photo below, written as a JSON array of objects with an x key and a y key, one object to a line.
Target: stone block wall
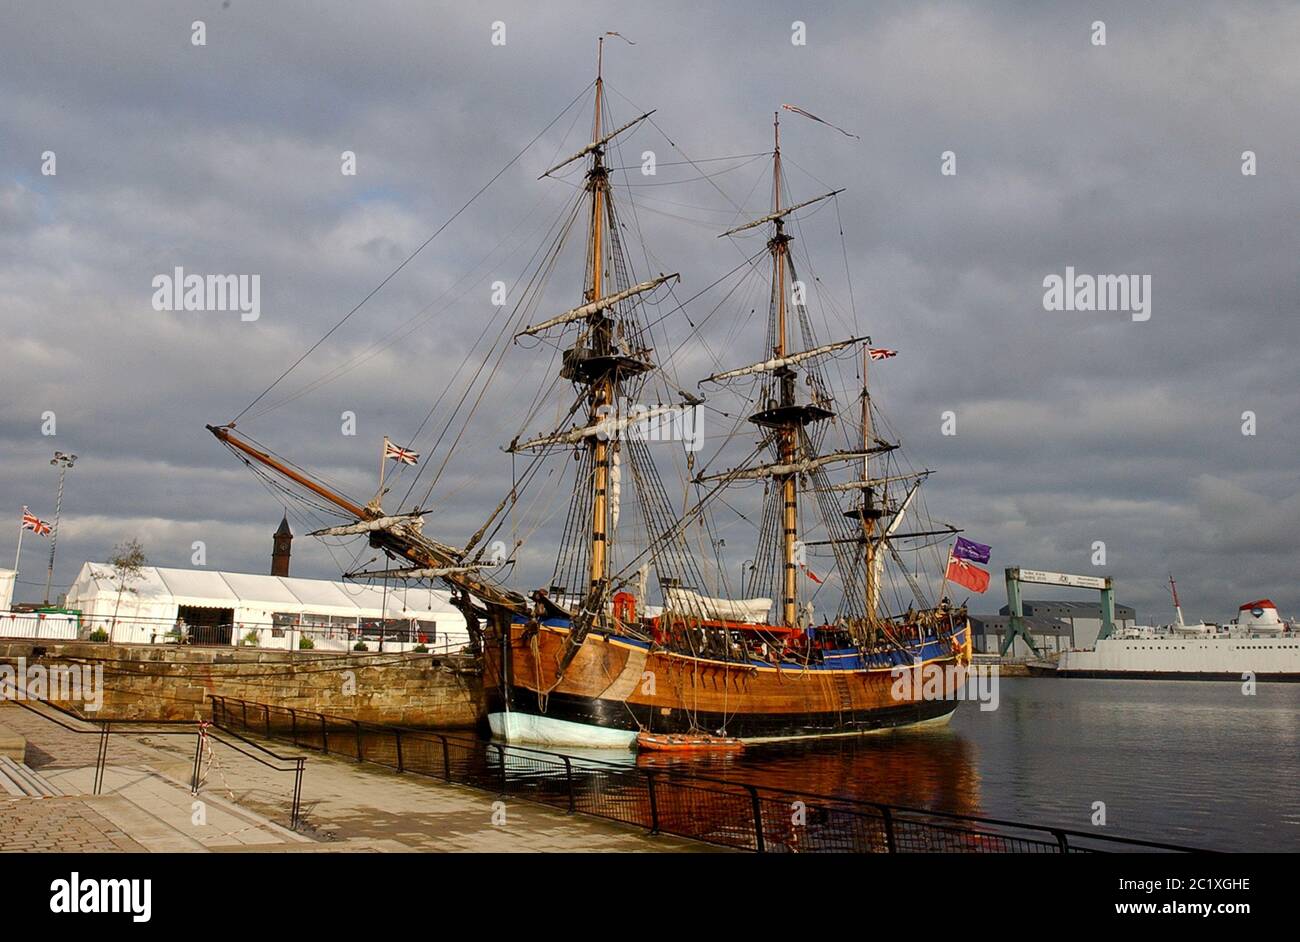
[{"x": 172, "y": 682}]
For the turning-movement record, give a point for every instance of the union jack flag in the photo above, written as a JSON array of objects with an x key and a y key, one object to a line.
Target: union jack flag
[
  {"x": 397, "y": 453},
  {"x": 880, "y": 353},
  {"x": 34, "y": 523}
]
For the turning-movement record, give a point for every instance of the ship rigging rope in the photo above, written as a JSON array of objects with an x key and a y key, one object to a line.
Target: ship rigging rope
[
  {"x": 410, "y": 325},
  {"x": 687, "y": 157},
  {"x": 536, "y": 284},
  {"x": 669, "y": 361},
  {"x": 531, "y": 291},
  {"x": 683, "y": 163},
  {"x": 537, "y": 402},
  {"x": 614, "y": 222},
  {"x": 481, "y": 190},
  {"x": 274, "y": 485},
  {"x": 518, "y": 236}
]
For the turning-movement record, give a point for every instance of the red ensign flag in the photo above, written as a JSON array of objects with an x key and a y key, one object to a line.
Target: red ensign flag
[{"x": 968, "y": 575}]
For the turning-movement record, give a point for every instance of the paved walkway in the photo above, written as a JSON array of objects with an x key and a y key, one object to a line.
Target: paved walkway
[
  {"x": 243, "y": 806},
  {"x": 65, "y": 824}
]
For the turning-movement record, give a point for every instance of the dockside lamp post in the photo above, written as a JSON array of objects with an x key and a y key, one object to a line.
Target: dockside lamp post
[{"x": 63, "y": 462}]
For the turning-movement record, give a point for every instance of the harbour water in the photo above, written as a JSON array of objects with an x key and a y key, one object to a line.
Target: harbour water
[{"x": 1179, "y": 761}]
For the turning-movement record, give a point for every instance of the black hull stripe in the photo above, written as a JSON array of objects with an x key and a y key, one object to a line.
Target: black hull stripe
[{"x": 617, "y": 714}]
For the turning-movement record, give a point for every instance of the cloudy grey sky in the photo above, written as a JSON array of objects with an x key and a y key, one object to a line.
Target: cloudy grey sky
[{"x": 1072, "y": 427}]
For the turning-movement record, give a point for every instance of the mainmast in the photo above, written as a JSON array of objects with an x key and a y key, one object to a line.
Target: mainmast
[
  {"x": 779, "y": 408},
  {"x": 787, "y": 432}
]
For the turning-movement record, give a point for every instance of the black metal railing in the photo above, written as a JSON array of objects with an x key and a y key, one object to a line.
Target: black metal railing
[
  {"x": 79, "y": 723},
  {"x": 717, "y": 811}
]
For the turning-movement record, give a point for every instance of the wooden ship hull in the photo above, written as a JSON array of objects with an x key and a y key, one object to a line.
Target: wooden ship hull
[{"x": 617, "y": 686}]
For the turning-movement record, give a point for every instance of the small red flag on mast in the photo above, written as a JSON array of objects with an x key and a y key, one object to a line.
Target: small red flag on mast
[{"x": 967, "y": 574}]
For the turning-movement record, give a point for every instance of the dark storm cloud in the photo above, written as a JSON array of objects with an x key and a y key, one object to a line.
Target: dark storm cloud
[{"x": 1072, "y": 427}]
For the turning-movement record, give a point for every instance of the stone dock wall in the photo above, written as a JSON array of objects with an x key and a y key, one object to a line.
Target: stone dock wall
[{"x": 173, "y": 682}]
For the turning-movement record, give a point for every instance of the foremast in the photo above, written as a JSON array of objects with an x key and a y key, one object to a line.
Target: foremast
[
  {"x": 608, "y": 363},
  {"x": 601, "y": 394}
]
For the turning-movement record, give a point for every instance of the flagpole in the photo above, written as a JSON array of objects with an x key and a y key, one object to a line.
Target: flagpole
[
  {"x": 19, "y": 554},
  {"x": 944, "y": 586},
  {"x": 383, "y": 460},
  {"x": 63, "y": 462}
]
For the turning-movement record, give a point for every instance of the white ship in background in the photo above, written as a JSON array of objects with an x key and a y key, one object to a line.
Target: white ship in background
[{"x": 1258, "y": 641}]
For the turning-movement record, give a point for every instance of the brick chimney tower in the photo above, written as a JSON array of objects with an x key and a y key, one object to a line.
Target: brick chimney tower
[{"x": 280, "y": 554}]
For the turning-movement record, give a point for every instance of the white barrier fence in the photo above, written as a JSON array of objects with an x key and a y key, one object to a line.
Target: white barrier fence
[{"x": 52, "y": 626}]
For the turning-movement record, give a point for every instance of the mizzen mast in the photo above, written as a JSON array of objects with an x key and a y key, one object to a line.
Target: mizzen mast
[{"x": 868, "y": 512}]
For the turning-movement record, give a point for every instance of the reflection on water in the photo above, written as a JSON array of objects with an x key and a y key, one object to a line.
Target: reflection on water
[
  {"x": 930, "y": 769},
  {"x": 1187, "y": 762},
  {"x": 1184, "y": 761}
]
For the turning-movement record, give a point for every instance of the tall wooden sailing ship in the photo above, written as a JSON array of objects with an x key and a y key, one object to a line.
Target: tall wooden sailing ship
[{"x": 633, "y": 633}]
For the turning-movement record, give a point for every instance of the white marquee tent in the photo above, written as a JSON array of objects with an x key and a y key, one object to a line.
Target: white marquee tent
[{"x": 238, "y": 607}]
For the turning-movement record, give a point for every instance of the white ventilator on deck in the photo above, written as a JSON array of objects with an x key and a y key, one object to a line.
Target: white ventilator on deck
[{"x": 689, "y": 602}]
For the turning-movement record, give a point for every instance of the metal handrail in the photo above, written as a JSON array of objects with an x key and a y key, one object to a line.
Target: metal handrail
[
  {"x": 890, "y": 816},
  {"x": 103, "y": 728}
]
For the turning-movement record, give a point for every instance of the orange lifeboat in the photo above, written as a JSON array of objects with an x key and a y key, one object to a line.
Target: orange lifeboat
[{"x": 687, "y": 742}]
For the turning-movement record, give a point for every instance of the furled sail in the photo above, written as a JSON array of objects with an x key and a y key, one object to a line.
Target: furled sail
[
  {"x": 594, "y": 145},
  {"x": 583, "y": 311},
  {"x": 608, "y": 428},
  {"x": 780, "y": 214},
  {"x": 615, "y": 488},
  {"x": 797, "y": 467},
  {"x": 776, "y": 363}
]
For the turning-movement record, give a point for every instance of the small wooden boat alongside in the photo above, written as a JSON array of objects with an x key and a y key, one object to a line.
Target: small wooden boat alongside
[{"x": 687, "y": 742}]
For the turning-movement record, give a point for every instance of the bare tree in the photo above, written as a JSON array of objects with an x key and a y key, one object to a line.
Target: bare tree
[{"x": 128, "y": 562}]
